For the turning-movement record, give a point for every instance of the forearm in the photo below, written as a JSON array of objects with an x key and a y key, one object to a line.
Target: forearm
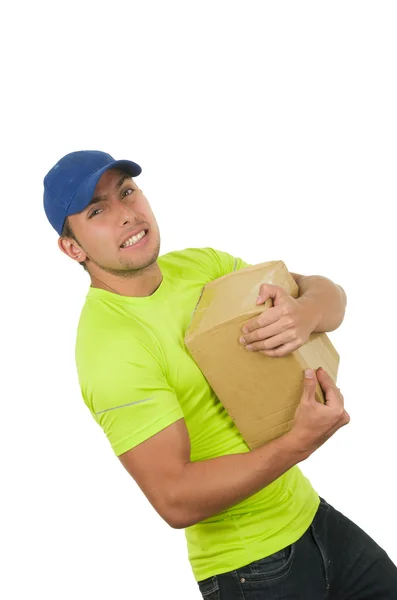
[
  {"x": 211, "y": 486},
  {"x": 325, "y": 300}
]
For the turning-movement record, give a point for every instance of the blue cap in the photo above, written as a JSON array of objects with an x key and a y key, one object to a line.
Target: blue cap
[{"x": 70, "y": 185}]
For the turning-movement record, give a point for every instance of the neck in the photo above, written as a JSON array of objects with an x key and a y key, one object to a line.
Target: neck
[{"x": 141, "y": 283}]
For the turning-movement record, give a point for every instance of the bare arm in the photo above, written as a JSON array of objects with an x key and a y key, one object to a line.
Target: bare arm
[
  {"x": 324, "y": 298},
  {"x": 184, "y": 492}
]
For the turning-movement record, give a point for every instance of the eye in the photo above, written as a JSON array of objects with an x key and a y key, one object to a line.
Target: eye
[
  {"x": 127, "y": 192},
  {"x": 95, "y": 212}
]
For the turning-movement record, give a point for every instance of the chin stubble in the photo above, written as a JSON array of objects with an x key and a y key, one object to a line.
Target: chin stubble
[{"x": 130, "y": 270}]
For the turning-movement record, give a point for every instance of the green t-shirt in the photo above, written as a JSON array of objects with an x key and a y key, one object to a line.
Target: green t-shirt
[{"x": 137, "y": 377}]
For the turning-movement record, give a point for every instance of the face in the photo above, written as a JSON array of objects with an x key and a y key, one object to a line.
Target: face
[{"x": 117, "y": 233}]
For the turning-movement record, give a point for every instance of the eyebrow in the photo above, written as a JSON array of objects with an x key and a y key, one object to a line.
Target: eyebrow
[{"x": 120, "y": 182}]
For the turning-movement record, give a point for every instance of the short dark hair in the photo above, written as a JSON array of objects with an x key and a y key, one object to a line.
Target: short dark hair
[{"x": 67, "y": 231}]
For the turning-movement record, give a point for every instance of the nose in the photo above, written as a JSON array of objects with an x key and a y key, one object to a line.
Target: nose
[{"x": 125, "y": 213}]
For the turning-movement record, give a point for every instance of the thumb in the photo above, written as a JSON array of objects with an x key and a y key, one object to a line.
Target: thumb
[{"x": 309, "y": 386}]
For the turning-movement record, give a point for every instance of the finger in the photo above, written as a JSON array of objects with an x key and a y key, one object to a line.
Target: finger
[
  {"x": 266, "y": 331},
  {"x": 268, "y": 317},
  {"x": 309, "y": 387},
  {"x": 267, "y": 338},
  {"x": 344, "y": 420},
  {"x": 332, "y": 432},
  {"x": 267, "y": 291},
  {"x": 281, "y": 350},
  {"x": 270, "y": 343},
  {"x": 325, "y": 379},
  {"x": 332, "y": 394}
]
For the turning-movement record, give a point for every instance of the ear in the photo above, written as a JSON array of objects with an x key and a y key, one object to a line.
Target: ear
[{"x": 71, "y": 248}]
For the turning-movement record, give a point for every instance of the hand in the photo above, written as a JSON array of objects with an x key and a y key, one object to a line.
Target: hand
[
  {"x": 314, "y": 423},
  {"x": 284, "y": 327}
]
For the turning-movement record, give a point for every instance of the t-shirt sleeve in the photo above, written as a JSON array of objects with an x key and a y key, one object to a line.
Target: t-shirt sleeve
[
  {"x": 129, "y": 397},
  {"x": 225, "y": 263}
]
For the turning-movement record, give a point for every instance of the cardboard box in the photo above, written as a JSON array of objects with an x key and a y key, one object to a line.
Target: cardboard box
[{"x": 259, "y": 392}]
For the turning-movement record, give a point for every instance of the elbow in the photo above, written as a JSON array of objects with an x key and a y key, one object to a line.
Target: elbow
[
  {"x": 178, "y": 515},
  {"x": 342, "y": 311},
  {"x": 178, "y": 507},
  {"x": 177, "y": 524},
  {"x": 344, "y": 297},
  {"x": 177, "y": 518}
]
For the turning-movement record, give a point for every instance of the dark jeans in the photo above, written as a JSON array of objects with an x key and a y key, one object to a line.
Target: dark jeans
[{"x": 333, "y": 560}]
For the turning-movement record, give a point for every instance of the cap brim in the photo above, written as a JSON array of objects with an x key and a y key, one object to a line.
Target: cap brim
[{"x": 85, "y": 191}]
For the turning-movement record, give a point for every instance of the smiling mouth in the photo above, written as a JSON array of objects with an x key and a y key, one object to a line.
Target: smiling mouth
[{"x": 134, "y": 239}]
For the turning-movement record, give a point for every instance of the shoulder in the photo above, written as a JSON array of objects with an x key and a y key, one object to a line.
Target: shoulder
[
  {"x": 108, "y": 343},
  {"x": 211, "y": 261},
  {"x": 187, "y": 256}
]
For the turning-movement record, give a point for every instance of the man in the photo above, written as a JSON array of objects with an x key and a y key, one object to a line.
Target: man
[{"x": 255, "y": 527}]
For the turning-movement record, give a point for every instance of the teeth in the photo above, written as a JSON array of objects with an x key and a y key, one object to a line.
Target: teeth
[{"x": 134, "y": 239}]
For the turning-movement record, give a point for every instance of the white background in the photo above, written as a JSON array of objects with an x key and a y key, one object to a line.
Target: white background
[{"x": 265, "y": 129}]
